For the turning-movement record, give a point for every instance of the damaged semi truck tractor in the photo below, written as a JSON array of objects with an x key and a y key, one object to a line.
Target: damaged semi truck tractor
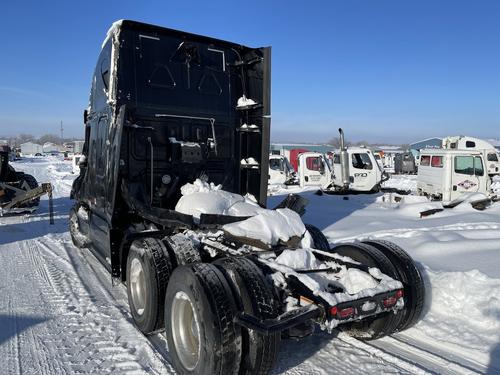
[{"x": 224, "y": 277}]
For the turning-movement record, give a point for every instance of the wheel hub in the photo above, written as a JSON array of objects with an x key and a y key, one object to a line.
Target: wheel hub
[
  {"x": 185, "y": 330},
  {"x": 138, "y": 286}
]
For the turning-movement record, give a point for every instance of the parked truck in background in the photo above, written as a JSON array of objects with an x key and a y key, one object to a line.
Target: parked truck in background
[
  {"x": 490, "y": 153},
  {"x": 446, "y": 174},
  {"x": 281, "y": 171},
  {"x": 353, "y": 169}
]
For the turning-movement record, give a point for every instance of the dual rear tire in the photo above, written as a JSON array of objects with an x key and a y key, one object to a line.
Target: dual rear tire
[
  {"x": 393, "y": 261},
  {"x": 196, "y": 303}
]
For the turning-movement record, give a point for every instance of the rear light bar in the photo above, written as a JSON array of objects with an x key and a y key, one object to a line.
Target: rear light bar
[{"x": 346, "y": 312}]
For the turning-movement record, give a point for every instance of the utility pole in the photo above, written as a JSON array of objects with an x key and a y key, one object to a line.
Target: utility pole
[{"x": 62, "y": 133}]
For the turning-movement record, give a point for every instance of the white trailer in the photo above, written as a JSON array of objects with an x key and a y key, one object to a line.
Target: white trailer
[
  {"x": 490, "y": 153},
  {"x": 353, "y": 169},
  {"x": 30, "y": 148},
  {"x": 447, "y": 174}
]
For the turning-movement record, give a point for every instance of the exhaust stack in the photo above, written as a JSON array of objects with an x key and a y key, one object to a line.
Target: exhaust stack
[{"x": 344, "y": 161}]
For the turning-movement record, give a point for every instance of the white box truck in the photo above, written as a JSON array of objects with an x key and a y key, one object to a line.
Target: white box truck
[{"x": 447, "y": 174}]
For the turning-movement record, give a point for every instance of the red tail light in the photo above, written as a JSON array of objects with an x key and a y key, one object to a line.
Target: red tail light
[
  {"x": 346, "y": 313},
  {"x": 389, "y": 302},
  {"x": 342, "y": 313}
]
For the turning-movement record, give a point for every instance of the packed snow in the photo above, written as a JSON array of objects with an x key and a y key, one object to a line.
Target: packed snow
[
  {"x": 60, "y": 314},
  {"x": 202, "y": 197},
  {"x": 356, "y": 283},
  {"x": 269, "y": 226}
]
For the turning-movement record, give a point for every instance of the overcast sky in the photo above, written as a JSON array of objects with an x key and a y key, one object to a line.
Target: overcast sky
[{"x": 386, "y": 71}]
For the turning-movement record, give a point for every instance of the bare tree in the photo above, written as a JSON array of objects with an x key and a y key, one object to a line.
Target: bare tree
[
  {"x": 335, "y": 142},
  {"x": 24, "y": 137}
]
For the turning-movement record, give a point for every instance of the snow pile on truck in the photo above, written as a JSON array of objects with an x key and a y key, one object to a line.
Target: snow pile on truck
[
  {"x": 201, "y": 197},
  {"x": 333, "y": 281},
  {"x": 268, "y": 226}
]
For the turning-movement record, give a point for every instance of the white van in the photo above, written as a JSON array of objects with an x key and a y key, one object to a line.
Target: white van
[
  {"x": 447, "y": 174},
  {"x": 489, "y": 152}
]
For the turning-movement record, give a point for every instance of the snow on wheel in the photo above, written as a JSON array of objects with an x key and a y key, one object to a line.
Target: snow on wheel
[
  {"x": 77, "y": 237},
  {"x": 148, "y": 271},
  {"x": 410, "y": 276},
  {"x": 380, "y": 325},
  {"x": 320, "y": 242},
  {"x": 199, "y": 312},
  {"x": 254, "y": 296}
]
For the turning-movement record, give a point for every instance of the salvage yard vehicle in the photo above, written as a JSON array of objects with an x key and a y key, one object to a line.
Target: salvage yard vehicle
[
  {"x": 281, "y": 171},
  {"x": 354, "y": 169},
  {"x": 207, "y": 263},
  {"x": 404, "y": 163},
  {"x": 19, "y": 191},
  {"x": 447, "y": 174},
  {"x": 489, "y": 152}
]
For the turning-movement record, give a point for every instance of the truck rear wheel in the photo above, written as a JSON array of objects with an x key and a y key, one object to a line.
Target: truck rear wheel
[
  {"x": 381, "y": 325},
  {"x": 199, "y": 314},
  {"x": 254, "y": 296},
  {"x": 320, "y": 241},
  {"x": 148, "y": 271},
  {"x": 410, "y": 276},
  {"x": 77, "y": 237},
  {"x": 182, "y": 250}
]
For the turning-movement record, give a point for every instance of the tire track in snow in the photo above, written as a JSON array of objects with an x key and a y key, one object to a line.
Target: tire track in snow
[
  {"x": 422, "y": 358},
  {"x": 411, "y": 365},
  {"x": 457, "y": 358},
  {"x": 88, "y": 331},
  {"x": 82, "y": 333},
  {"x": 97, "y": 283}
]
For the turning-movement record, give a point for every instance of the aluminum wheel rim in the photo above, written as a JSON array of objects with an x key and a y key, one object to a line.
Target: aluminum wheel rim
[
  {"x": 138, "y": 286},
  {"x": 185, "y": 330}
]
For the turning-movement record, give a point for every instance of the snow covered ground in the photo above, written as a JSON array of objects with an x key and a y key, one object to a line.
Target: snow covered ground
[{"x": 59, "y": 313}]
